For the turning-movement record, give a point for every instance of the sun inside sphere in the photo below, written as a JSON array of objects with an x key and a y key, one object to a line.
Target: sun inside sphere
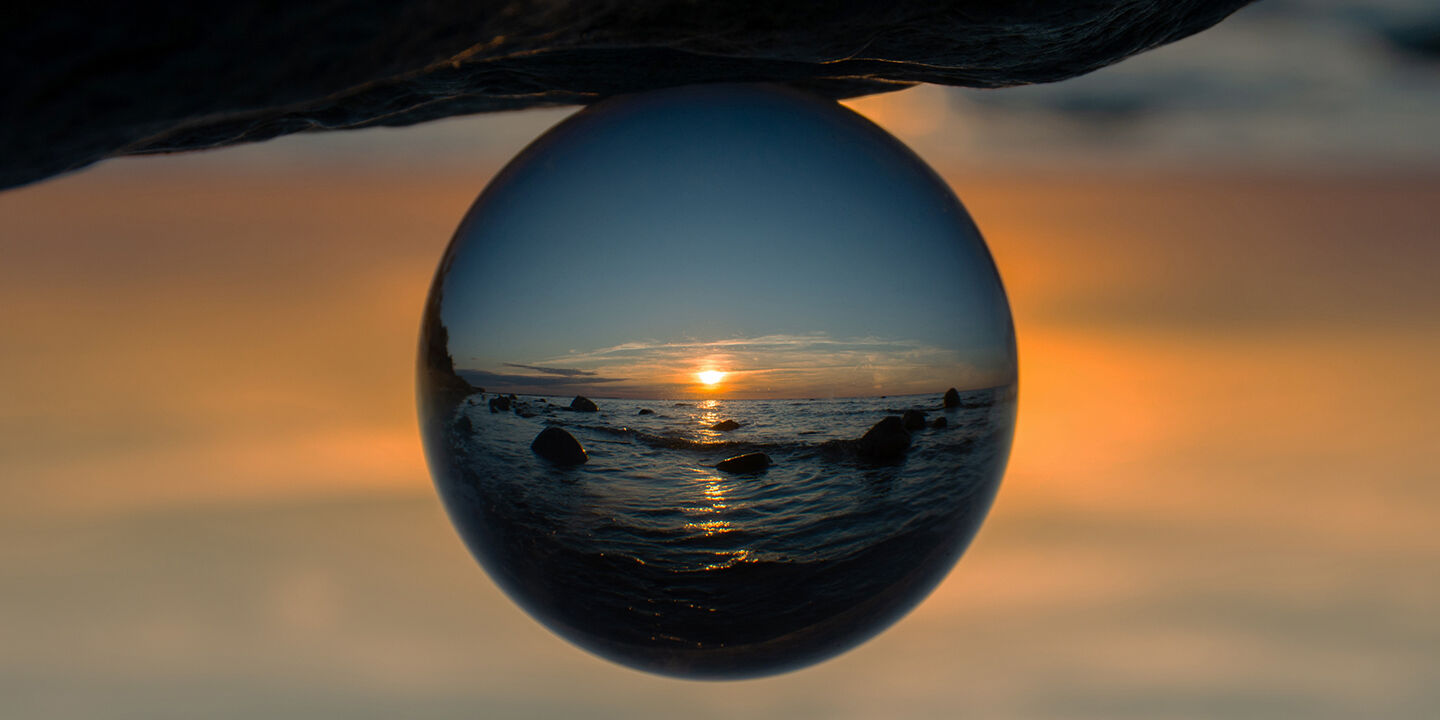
[{"x": 658, "y": 510}]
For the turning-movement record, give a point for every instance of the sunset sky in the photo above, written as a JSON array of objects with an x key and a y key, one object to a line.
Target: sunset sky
[
  {"x": 1221, "y": 500},
  {"x": 801, "y": 251}
]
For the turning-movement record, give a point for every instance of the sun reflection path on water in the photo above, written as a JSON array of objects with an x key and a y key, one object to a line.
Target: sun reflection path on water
[{"x": 709, "y": 520}]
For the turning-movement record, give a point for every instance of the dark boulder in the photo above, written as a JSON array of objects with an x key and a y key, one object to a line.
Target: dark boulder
[
  {"x": 940, "y": 422},
  {"x": 952, "y": 398},
  {"x": 645, "y": 411},
  {"x": 747, "y": 463},
  {"x": 725, "y": 425},
  {"x": 500, "y": 404},
  {"x": 888, "y": 440},
  {"x": 559, "y": 447},
  {"x": 582, "y": 404},
  {"x": 462, "y": 423},
  {"x": 913, "y": 419}
]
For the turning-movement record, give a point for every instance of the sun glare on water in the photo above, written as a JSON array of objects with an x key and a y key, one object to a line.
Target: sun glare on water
[{"x": 710, "y": 377}]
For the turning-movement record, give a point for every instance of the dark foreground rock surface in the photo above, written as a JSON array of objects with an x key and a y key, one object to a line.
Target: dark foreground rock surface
[{"x": 149, "y": 77}]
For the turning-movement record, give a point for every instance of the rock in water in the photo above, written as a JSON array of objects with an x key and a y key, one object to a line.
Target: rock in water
[
  {"x": 463, "y": 423},
  {"x": 725, "y": 425},
  {"x": 582, "y": 404},
  {"x": 940, "y": 422},
  {"x": 888, "y": 440},
  {"x": 913, "y": 419},
  {"x": 500, "y": 404},
  {"x": 559, "y": 447},
  {"x": 952, "y": 398},
  {"x": 645, "y": 411},
  {"x": 747, "y": 463}
]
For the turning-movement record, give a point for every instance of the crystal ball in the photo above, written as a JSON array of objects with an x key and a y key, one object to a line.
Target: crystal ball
[{"x": 717, "y": 381}]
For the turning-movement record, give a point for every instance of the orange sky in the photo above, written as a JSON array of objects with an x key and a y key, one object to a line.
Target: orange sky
[
  {"x": 1227, "y": 402},
  {"x": 258, "y": 331}
]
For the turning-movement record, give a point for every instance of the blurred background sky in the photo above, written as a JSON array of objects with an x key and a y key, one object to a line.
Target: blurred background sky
[{"x": 1221, "y": 502}]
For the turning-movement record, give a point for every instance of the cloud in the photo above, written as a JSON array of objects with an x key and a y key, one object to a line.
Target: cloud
[
  {"x": 567, "y": 372},
  {"x": 777, "y": 365},
  {"x": 487, "y": 379}
]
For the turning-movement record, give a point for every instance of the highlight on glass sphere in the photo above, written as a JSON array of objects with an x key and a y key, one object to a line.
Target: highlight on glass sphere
[{"x": 717, "y": 381}]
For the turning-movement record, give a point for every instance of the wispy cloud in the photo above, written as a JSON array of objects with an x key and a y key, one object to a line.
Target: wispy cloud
[
  {"x": 530, "y": 383},
  {"x": 566, "y": 372},
  {"x": 774, "y": 365}
]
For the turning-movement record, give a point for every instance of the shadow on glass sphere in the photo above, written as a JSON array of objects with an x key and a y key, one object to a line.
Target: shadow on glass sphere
[{"x": 717, "y": 381}]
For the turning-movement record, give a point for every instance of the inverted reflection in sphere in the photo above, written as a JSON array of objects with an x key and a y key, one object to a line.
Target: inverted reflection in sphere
[{"x": 717, "y": 381}]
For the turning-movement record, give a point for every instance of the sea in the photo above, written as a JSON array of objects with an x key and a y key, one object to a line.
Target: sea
[{"x": 649, "y": 555}]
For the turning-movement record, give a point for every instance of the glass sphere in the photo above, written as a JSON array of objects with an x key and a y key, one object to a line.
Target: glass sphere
[{"x": 717, "y": 381}]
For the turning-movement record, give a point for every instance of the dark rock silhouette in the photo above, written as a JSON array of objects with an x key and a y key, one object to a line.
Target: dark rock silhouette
[
  {"x": 725, "y": 425},
  {"x": 952, "y": 398},
  {"x": 441, "y": 389},
  {"x": 913, "y": 419},
  {"x": 149, "y": 77},
  {"x": 645, "y": 411},
  {"x": 559, "y": 447},
  {"x": 462, "y": 423},
  {"x": 500, "y": 404},
  {"x": 582, "y": 404},
  {"x": 940, "y": 422},
  {"x": 886, "y": 441},
  {"x": 747, "y": 463}
]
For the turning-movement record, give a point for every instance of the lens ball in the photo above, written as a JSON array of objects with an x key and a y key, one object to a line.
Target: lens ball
[{"x": 717, "y": 381}]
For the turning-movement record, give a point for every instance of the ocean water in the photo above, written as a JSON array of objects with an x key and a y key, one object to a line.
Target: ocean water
[{"x": 649, "y": 555}]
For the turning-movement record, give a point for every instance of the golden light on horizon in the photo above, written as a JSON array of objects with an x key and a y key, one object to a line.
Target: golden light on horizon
[{"x": 710, "y": 377}]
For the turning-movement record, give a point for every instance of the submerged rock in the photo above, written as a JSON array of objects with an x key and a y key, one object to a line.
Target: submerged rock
[
  {"x": 499, "y": 404},
  {"x": 559, "y": 447},
  {"x": 952, "y": 398},
  {"x": 725, "y": 425},
  {"x": 747, "y": 463},
  {"x": 913, "y": 419},
  {"x": 645, "y": 411},
  {"x": 940, "y": 422},
  {"x": 887, "y": 440},
  {"x": 582, "y": 404}
]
